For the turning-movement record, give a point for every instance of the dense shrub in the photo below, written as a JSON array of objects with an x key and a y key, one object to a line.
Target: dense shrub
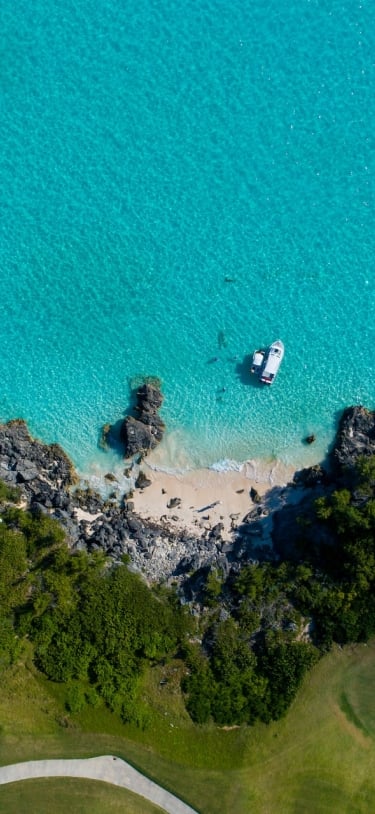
[{"x": 95, "y": 625}]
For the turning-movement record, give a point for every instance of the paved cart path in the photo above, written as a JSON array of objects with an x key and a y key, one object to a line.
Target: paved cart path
[{"x": 108, "y": 768}]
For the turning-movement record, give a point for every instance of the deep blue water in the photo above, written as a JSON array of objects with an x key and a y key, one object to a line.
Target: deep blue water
[{"x": 149, "y": 151}]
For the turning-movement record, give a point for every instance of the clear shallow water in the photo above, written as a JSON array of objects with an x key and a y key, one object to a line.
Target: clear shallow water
[{"x": 149, "y": 151}]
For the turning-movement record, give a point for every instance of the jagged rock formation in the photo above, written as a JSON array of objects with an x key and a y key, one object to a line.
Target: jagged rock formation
[
  {"x": 355, "y": 437},
  {"x": 24, "y": 460},
  {"x": 311, "y": 476},
  {"x": 142, "y": 481},
  {"x": 143, "y": 433},
  {"x": 47, "y": 481}
]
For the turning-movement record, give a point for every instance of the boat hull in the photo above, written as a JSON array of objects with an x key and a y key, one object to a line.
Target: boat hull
[{"x": 271, "y": 362}]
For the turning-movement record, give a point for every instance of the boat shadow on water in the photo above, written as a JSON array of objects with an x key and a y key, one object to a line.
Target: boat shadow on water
[{"x": 243, "y": 371}]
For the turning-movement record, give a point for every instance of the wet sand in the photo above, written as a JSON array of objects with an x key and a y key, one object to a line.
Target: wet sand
[{"x": 205, "y": 496}]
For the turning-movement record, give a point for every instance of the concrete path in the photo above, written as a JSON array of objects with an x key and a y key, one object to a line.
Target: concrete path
[{"x": 107, "y": 768}]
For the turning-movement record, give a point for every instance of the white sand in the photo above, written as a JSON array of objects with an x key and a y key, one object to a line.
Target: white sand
[
  {"x": 86, "y": 516},
  {"x": 207, "y": 496}
]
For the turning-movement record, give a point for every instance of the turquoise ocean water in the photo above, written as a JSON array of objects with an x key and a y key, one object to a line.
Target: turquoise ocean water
[{"x": 151, "y": 149}]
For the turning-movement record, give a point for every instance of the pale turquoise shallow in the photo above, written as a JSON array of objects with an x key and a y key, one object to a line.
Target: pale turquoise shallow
[{"x": 149, "y": 151}]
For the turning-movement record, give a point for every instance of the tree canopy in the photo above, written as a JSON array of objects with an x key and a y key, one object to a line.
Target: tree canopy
[{"x": 96, "y": 626}]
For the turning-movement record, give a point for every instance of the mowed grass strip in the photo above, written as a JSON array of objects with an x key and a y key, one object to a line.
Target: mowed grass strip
[
  {"x": 60, "y": 795},
  {"x": 359, "y": 695},
  {"x": 317, "y": 759}
]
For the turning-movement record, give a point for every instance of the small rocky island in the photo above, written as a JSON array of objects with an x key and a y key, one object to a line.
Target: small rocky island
[
  {"x": 49, "y": 484},
  {"x": 142, "y": 432}
]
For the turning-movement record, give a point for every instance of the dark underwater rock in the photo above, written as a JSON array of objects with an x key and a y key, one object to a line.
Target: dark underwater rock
[{"x": 104, "y": 436}]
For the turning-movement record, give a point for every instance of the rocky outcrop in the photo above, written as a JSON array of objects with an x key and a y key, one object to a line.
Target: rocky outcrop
[
  {"x": 142, "y": 481},
  {"x": 24, "y": 460},
  {"x": 355, "y": 437},
  {"x": 311, "y": 476},
  {"x": 174, "y": 502},
  {"x": 145, "y": 431},
  {"x": 48, "y": 483},
  {"x": 296, "y": 526},
  {"x": 255, "y": 496}
]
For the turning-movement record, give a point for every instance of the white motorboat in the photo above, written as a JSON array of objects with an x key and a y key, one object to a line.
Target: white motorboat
[{"x": 272, "y": 361}]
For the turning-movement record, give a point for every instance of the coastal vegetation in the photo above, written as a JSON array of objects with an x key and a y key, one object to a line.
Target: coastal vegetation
[
  {"x": 96, "y": 626},
  {"x": 88, "y": 647},
  {"x": 280, "y": 617},
  {"x": 319, "y": 757}
]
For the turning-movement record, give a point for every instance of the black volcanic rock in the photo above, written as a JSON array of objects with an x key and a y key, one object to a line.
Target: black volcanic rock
[{"x": 143, "y": 433}]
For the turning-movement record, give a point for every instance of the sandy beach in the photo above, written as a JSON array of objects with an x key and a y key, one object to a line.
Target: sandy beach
[{"x": 206, "y": 496}]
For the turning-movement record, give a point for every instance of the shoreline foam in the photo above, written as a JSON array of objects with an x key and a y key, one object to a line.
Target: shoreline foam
[
  {"x": 207, "y": 497},
  {"x": 220, "y": 493}
]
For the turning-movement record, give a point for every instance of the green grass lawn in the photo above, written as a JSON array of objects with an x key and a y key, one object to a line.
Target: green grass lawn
[
  {"x": 319, "y": 758},
  {"x": 60, "y": 796}
]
